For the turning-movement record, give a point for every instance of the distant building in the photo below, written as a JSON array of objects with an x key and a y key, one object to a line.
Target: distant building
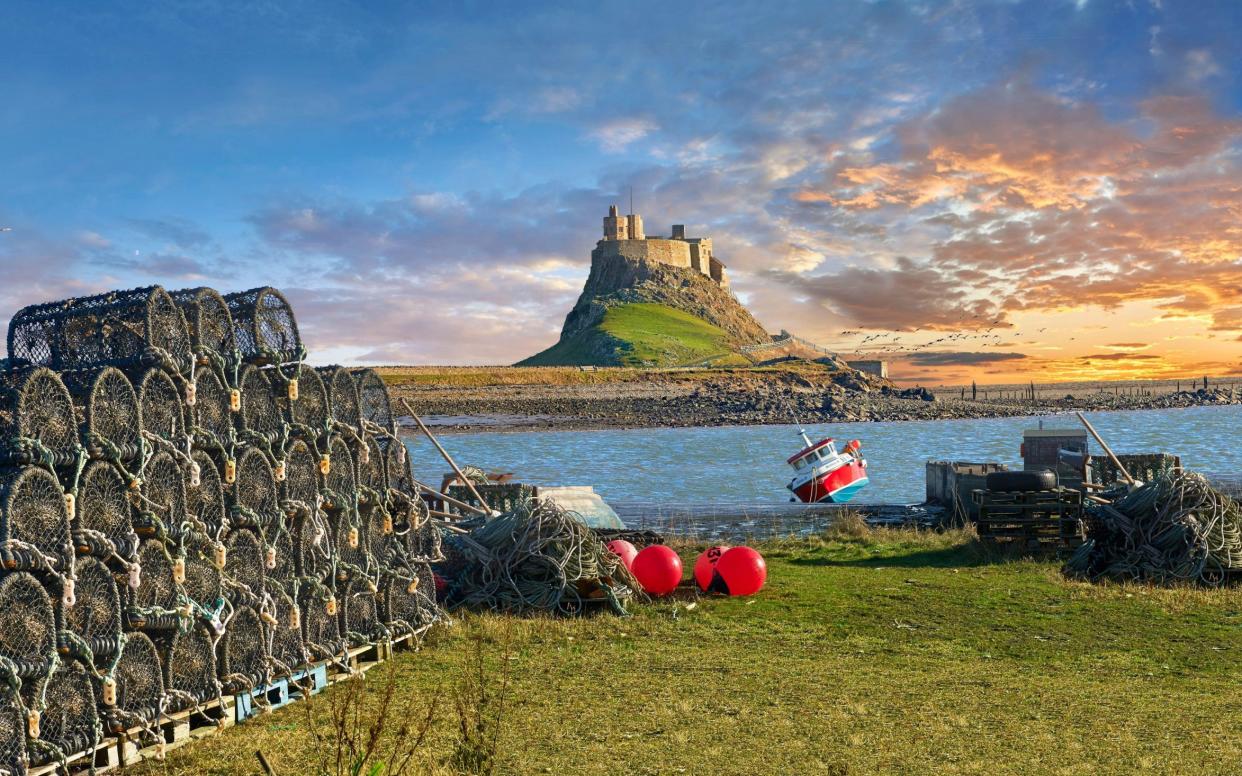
[
  {"x": 624, "y": 237},
  {"x": 877, "y": 368}
]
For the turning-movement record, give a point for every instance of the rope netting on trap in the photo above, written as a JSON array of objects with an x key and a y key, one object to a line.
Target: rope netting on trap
[
  {"x": 374, "y": 401},
  {"x": 27, "y": 631},
  {"x": 13, "y": 726},
  {"x": 372, "y": 474},
  {"x": 142, "y": 326},
  {"x": 109, "y": 417},
  {"x": 154, "y": 603},
  {"x": 408, "y": 601},
  {"x": 245, "y": 567},
  {"x": 68, "y": 722},
  {"x": 103, "y": 522},
  {"x": 321, "y": 632},
  {"x": 204, "y": 583},
  {"x": 397, "y": 465},
  {"x": 260, "y": 421},
  {"x": 205, "y": 502},
  {"x": 137, "y": 686},
  {"x": 212, "y": 333},
  {"x": 536, "y": 557},
  {"x": 38, "y": 424},
  {"x": 34, "y": 522},
  {"x": 93, "y": 622},
  {"x": 266, "y": 330},
  {"x": 211, "y": 416},
  {"x": 255, "y": 499},
  {"x": 359, "y": 611},
  {"x": 162, "y": 499},
  {"x": 162, "y": 409},
  {"x": 284, "y": 572},
  {"x": 284, "y": 630},
  {"x": 243, "y": 652},
  {"x": 343, "y": 399},
  {"x": 307, "y": 408},
  {"x": 1175, "y": 528},
  {"x": 189, "y": 660}
]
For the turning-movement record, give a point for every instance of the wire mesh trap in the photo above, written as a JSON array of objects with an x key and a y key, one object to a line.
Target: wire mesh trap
[
  {"x": 256, "y": 503},
  {"x": 284, "y": 571},
  {"x": 111, "y": 424},
  {"x": 27, "y": 627},
  {"x": 300, "y": 488},
  {"x": 409, "y": 600},
  {"x": 212, "y": 333},
  {"x": 340, "y": 482},
  {"x": 374, "y": 402},
  {"x": 139, "y": 678},
  {"x": 102, "y": 524},
  {"x": 266, "y": 330},
  {"x": 203, "y": 581},
  {"x": 397, "y": 465},
  {"x": 321, "y": 630},
  {"x": 95, "y": 618},
  {"x": 372, "y": 474},
  {"x": 342, "y": 396},
  {"x": 246, "y": 565},
  {"x": 34, "y": 521},
  {"x": 68, "y": 723},
  {"x": 189, "y": 660},
  {"x": 204, "y": 503},
  {"x": 359, "y": 615},
  {"x": 242, "y": 652},
  {"x": 260, "y": 417},
  {"x": 285, "y": 634},
  {"x": 13, "y": 757},
  {"x": 119, "y": 328},
  {"x": 163, "y": 494},
  {"x": 309, "y": 412},
  {"x": 211, "y": 419},
  {"x": 349, "y": 546},
  {"x": 37, "y": 419},
  {"x": 311, "y": 547},
  {"x": 161, "y": 408},
  {"x": 152, "y": 604}
]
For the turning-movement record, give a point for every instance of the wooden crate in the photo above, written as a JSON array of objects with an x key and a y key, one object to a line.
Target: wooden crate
[{"x": 1041, "y": 521}]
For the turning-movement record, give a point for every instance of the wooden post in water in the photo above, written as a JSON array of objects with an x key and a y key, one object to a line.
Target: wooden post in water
[
  {"x": 1120, "y": 468},
  {"x": 444, "y": 453}
]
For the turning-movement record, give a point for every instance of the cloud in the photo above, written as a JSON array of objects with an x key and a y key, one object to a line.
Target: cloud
[
  {"x": 961, "y": 358},
  {"x": 619, "y": 134}
]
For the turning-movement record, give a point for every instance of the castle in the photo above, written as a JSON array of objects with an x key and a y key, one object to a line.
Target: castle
[{"x": 624, "y": 237}]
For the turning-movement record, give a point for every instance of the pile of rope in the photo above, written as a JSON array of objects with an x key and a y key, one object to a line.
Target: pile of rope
[
  {"x": 536, "y": 557},
  {"x": 187, "y": 510},
  {"x": 1176, "y": 528}
]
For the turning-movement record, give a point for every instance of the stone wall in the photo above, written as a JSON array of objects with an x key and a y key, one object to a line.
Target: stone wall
[
  {"x": 674, "y": 253},
  {"x": 877, "y": 368}
]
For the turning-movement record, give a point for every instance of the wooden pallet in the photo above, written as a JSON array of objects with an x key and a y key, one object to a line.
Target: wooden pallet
[
  {"x": 176, "y": 730},
  {"x": 1046, "y": 520},
  {"x": 102, "y": 757}
]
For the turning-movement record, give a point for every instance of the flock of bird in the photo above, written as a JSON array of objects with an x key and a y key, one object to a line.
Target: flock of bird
[{"x": 972, "y": 331}]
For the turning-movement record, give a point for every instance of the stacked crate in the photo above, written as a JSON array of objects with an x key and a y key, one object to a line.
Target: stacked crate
[{"x": 187, "y": 511}]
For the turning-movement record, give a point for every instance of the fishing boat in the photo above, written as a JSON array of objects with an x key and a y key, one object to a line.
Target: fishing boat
[{"x": 824, "y": 475}]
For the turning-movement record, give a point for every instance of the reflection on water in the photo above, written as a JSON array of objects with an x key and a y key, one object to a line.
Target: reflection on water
[{"x": 746, "y": 464}]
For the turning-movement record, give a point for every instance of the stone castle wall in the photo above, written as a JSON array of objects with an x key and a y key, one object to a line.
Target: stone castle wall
[{"x": 674, "y": 253}]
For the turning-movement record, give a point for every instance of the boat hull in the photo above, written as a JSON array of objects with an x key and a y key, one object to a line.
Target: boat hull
[{"x": 835, "y": 487}]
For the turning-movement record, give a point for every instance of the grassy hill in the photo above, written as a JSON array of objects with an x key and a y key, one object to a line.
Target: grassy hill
[{"x": 643, "y": 334}]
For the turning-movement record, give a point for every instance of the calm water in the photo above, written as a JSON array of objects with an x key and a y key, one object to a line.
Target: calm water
[{"x": 746, "y": 464}]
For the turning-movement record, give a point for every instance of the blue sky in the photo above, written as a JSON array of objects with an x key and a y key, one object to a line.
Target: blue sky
[{"x": 426, "y": 181}]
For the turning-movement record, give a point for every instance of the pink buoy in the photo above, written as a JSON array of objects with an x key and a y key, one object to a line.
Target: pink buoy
[
  {"x": 705, "y": 566},
  {"x": 742, "y": 571},
  {"x": 624, "y": 550},
  {"x": 658, "y": 569}
]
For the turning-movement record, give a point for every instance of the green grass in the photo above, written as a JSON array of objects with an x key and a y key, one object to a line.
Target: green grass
[
  {"x": 644, "y": 334},
  {"x": 884, "y": 652}
]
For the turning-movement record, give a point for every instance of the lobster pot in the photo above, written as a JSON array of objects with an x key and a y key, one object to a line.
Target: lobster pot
[
  {"x": 68, "y": 721},
  {"x": 210, "y": 323},
  {"x": 119, "y": 328},
  {"x": 161, "y": 407},
  {"x": 242, "y": 653},
  {"x": 108, "y": 406},
  {"x": 312, "y": 547},
  {"x": 203, "y": 582},
  {"x": 255, "y": 492},
  {"x": 266, "y": 331},
  {"x": 139, "y": 678},
  {"x": 343, "y": 398},
  {"x": 349, "y": 546},
  {"x": 321, "y": 630},
  {"x": 424, "y": 541},
  {"x": 341, "y": 481},
  {"x": 95, "y": 618},
  {"x": 359, "y": 613},
  {"x": 204, "y": 503},
  {"x": 284, "y": 572},
  {"x": 35, "y": 405},
  {"x": 246, "y": 563},
  {"x": 309, "y": 412},
  {"x": 157, "y": 589},
  {"x": 189, "y": 659},
  {"x": 27, "y": 627},
  {"x": 300, "y": 488},
  {"x": 33, "y": 512},
  {"x": 163, "y": 491},
  {"x": 374, "y": 402},
  {"x": 13, "y": 757},
  {"x": 259, "y": 420},
  {"x": 288, "y": 649},
  {"x": 211, "y": 418},
  {"x": 409, "y": 601},
  {"x": 103, "y": 521},
  {"x": 372, "y": 475},
  {"x": 381, "y": 540},
  {"x": 397, "y": 465}
]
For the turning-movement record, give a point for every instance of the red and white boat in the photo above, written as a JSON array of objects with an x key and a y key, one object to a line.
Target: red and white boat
[{"x": 824, "y": 475}]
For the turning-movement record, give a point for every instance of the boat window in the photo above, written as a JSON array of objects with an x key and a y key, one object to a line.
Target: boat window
[{"x": 800, "y": 464}]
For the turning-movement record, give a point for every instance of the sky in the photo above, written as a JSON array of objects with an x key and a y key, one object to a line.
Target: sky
[{"x": 990, "y": 191}]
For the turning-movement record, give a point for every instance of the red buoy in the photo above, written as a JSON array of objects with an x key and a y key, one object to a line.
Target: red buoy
[
  {"x": 624, "y": 550},
  {"x": 658, "y": 569},
  {"x": 705, "y": 566},
  {"x": 742, "y": 570}
]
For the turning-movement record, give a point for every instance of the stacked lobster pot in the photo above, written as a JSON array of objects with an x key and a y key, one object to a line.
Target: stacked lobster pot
[{"x": 187, "y": 510}]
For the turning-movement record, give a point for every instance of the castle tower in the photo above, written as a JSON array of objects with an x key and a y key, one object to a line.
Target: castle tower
[
  {"x": 616, "y": 227},
  {"x": 636, "y": 227}
]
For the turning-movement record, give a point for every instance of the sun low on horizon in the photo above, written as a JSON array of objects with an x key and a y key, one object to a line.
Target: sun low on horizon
[{"x": 997, "y": 192}]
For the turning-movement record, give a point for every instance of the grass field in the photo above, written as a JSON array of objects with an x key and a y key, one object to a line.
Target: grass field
[{"x": 869, "y": 652}]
